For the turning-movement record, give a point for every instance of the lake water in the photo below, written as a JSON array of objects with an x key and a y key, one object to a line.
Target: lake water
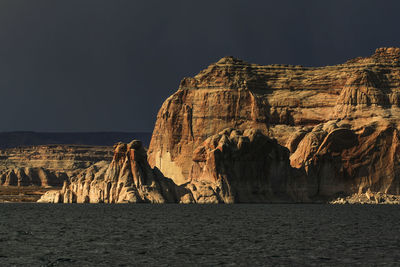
[{"x": 181, "y": 235}]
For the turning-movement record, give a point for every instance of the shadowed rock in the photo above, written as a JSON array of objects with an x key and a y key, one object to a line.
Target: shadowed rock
[{"x": 243, "y": 167}]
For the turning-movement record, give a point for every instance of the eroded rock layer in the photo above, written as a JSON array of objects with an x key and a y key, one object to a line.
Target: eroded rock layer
[
  {"x": 340, "y": 123},
  {"x": 47, "y": 165},
  {"x": 229, "y": 167},
  {"x": 127, "y": 179},
  {"x": 240, "y": 132},
  {"x": 244, "y": 167}
]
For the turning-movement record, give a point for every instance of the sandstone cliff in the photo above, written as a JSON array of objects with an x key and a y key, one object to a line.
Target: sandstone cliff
[
  {"x": 244, "y": 167},
  {"x": 340, "y": 123},
  {"x": 47, "y": 165},
  {"x": 229, "y": 167},
  {"x": 240, "y": 132},
  {"x": 127, "y": 179}
]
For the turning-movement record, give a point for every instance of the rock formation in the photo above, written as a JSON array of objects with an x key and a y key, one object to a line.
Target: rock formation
[
  {"x": 47, "y": 165},
  {"x": 127, "y": 179},
  {"x": 240, "y": 132},
  {"x": 32, "y": 176},
  {"x": 368, "y": 198},
  {"x": 340, "y": 123},
  {"x": 229, "y": 167},
  {"x": 244, "y": 167}
]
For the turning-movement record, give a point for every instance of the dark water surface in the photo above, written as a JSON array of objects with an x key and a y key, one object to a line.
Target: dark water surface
[{"x": 181, "y": 235}]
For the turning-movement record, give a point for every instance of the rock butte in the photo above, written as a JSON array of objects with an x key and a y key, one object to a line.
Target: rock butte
[{"x": 240, "y": 132}]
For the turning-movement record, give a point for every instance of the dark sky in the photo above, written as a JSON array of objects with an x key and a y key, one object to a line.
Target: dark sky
[{"x": 98, "y": 65}]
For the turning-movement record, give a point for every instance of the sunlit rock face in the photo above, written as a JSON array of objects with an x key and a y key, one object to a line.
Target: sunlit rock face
[
  {"x": 230, "y": 167},
  {"x": 127, "y": 179},
  {"x": 28, "y": 176},
  {"x": 340, "y": 123},
  {"x": 47, "y": 165},
  {"x": 240, "y": 132}
]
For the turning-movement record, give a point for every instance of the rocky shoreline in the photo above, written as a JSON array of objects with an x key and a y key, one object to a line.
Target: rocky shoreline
[
  {"x": 19, "y": 194},
  {"x": 368, "y": 198}
]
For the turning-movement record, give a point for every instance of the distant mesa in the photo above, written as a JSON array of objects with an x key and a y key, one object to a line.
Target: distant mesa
[{"x": 25, "y": 138}]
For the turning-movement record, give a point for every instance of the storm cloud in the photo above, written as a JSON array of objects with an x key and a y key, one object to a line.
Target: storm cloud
[{"x": 108, "y": 65}]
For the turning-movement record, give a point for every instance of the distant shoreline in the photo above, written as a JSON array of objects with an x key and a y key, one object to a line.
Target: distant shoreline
[
  {"x": 28, "y": 138},
  {"x": 31, "y": 194}
]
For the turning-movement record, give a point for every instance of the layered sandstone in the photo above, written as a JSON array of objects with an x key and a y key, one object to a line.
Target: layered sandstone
[
  {"x": 244, "y": 167},
  {"x": 340, "y": 123},
  {"x": 230, "y": 167},
  {"x": 47, "y": 165},
  {"x": 127, "y": 179},
  {"x": 240, "y": 132}
]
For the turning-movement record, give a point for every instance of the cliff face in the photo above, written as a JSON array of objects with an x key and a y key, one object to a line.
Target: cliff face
[
  {"x": 340, "y": 123},
  {"x": 32, "y": 176},
  {"x": 244, "y": 167},
  {"x": 48, "y": 165},
  {"x": 354, "y": 161},
  {"x": 127, "y": 179},
  {"x": 240, "y": 132},
  {"x": 229, "y": 167}
]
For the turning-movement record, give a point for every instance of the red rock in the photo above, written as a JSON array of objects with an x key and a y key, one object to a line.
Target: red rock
[
  {"x": 340, "y": 123},
  {"x": 47, "y": 165},
  {"x": 243, "y": 167},
  {"x": 127, "y": 179},
  {"x": 221, "y": 138}
]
